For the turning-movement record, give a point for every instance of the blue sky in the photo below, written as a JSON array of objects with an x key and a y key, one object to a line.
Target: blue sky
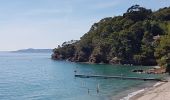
[{"x": 48, "y": 23}]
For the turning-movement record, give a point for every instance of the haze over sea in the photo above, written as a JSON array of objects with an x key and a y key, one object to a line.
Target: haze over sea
[{"x": 34, "y": 76}]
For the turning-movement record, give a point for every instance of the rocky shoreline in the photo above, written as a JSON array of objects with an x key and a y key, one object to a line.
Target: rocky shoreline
[
  {"x": 95, "y": 60},
  {"x": 154, "y": 70}
]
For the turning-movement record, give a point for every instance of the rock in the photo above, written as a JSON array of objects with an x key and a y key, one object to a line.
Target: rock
[
  {"x": 159, "y": 70},
  {"x": 56, "y": 56},
  {"x": 95, "y": 58},
  {"x": 115, "y": 60},
  {"x": 139, "y": 70}
]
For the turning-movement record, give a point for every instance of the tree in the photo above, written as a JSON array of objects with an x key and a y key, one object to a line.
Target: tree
[
  {"x": 162, "y": 52},
  {"x": 137, "y": 13}
]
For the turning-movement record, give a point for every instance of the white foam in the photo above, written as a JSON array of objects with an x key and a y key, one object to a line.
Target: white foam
[
  {"x": 133, "y": 94},
  {"x": 157, "y": 84}
]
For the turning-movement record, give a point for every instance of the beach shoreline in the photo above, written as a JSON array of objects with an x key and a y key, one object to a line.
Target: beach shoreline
[
  {"x": 158, "y": 91},
  {"x": 146, "y": 91},
  {"x": 128, "y": 92}
]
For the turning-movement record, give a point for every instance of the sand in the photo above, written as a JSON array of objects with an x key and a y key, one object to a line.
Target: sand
[{"x": 160, "y": 91}]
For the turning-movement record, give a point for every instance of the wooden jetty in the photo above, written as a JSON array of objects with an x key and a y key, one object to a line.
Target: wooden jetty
[{"x": 119, "y": 77}]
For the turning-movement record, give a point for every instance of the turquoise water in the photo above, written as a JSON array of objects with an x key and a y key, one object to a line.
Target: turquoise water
[{"x": 29, "y": 76}]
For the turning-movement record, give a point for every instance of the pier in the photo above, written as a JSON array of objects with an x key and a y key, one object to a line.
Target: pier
[{"x": 119, "y": 77}]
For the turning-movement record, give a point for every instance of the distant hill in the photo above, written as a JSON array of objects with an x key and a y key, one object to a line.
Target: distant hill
[{"x": 31, "y": 50}]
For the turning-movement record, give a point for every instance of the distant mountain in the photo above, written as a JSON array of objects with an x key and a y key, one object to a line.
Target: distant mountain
[{"x": 31, "y": 50}]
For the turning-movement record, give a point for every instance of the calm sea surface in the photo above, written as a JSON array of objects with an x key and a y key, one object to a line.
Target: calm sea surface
[{"x": 31, "y": 76}]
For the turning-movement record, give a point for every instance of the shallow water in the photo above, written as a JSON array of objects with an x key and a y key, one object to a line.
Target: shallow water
[{"x": 31, "y": 76}]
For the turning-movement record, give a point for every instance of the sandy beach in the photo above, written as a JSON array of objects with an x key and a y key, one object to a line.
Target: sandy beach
[{"x": 160, "y": 91}]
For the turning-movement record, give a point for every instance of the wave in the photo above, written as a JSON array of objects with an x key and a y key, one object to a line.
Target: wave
[
  {"x": 140, "y": 91},
  {"x": 133, "y": 94}
]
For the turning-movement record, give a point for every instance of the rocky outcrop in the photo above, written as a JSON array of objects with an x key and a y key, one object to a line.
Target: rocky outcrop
[
  {"x": 56, "y": 56},
  {"x": 115, "y": 60}
]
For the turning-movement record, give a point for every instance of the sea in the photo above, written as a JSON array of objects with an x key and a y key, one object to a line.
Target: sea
[{"x": 35, "y": 76}]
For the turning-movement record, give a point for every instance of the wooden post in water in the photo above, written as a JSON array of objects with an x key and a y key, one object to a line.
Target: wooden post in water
[
  {"x": 121, "y": 76},
  {"x": 83, "y": 84},
  {"x": 98, "y": 88},
  {"x": 75, "y": 71}
]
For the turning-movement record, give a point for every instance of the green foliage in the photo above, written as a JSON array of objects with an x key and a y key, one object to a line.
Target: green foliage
[
  {"x": 162, "y": 52},
  {"x": 139, "y": 37},
  {"x": 162, "y": 14}
]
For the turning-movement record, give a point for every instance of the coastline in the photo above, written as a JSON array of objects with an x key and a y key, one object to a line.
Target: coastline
[
  {"x": 158, "y": 91},
  {"x": 129, "y": 92},
  {"x": 146, "y": 91}
]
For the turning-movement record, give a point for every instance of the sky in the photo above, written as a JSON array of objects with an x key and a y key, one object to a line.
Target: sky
[{"x": 49, "y": 23}]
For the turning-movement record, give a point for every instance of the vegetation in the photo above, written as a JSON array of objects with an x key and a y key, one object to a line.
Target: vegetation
[{"x": 139, "y": 37}]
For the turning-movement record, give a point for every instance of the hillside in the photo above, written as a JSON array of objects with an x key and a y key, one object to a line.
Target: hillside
[{"x": 140, "y": 37}]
